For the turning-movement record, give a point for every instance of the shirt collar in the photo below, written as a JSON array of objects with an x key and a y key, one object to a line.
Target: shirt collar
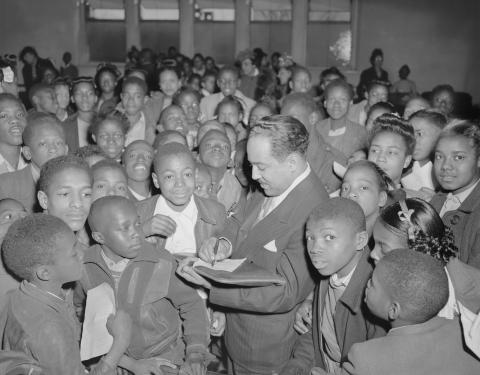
[
  {"x": 293, "y": 185},
  {"x": 337, "y": 282},
  {"x": 114, "y": 266},
  {"x": 189, "y": 211},
  {"x": 464, "y": 194}
]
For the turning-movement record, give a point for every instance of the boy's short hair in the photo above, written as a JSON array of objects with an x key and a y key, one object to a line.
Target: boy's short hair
[
  {"x": 171, "y": 149},
  {"x": 229, "y": 100},
  {"x": 135, "y": 81},
  {"x": 60, "y": 81},
  {"x": 228, "y": 69},
  {"x": 38, "y": 88},
  {"x": 443, "y": 88},
  {"x": 162, "y": 138},
  {"x": 465, "y": 129},
  {"x": 302, "y": 99},
  {"x": 88, "y": 151},
  {"x": 7, "y": 97},
  {"x": 109, "y": 204},
  {"x": 390, "y": 123},
  {"x": 343, "y": 209},
  {"x": 331, "y": 71},
  {"x": 169, "y": 69},
  {"x": 375, "y": 83},
  {"x": 57, "y": 165},
  {"x": 339, "y": 83},
  {"x": 114, "y": 116},
  {"x": 37, "y": 120},
  {"x": 31, "y": 242},
  {"x": 416, "y": 281},
  {"x": 185, "y": 91},
  {"x": 79, "y": 80},
  {"x": 433, "y": 116},
  {"x": 300, "y": 69},
  {"x": 108, "y": 163}
]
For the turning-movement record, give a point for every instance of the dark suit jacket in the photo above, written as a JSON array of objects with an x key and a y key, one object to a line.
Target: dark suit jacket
[
  {"x": 259, "y": 333},
  {"x": 353, "y": 322},
  {"x": 70, "y": 127},
  {"x": 465, "y": 224},
  {"x": 434, "y": 347},
  {"x": 211, "y": 218},
  {"x": 20, "y": 185}
]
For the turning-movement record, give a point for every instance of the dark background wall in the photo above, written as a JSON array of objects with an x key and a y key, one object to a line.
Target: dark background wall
[{"x": 440, "y": 39}]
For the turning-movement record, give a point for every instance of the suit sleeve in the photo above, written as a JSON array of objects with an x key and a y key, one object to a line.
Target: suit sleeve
[
  {"x": 292, "y": 267},
  {"x": 302, "y": 359},
  {"x": 357, "y": 363},
  {"x": 474, "y": 251}
]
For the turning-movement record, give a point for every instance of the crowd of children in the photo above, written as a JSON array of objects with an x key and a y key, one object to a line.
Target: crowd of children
[{"x": 117, "y": 179}]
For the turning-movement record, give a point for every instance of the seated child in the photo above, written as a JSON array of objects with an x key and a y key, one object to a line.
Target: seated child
[
  {"x": 336, "y": 242},
  {"x": 12, "y": 123},
  {"x": 415, "y": 104},
  {"x": 169, "y": 82},
  {"x": 214, "y": 152},
  {"x": 337, "y": 130},
  {"x": 177, "y": 220},
  {"x": 169, "y": 136},
  {"x": 137, "y": 160},
  {"x": 147, "y": 287},
  {"x": 134, "y": 91},
  {"x": 43, "y": 98},
  {"x": 173, "y": 118},
  {"x": 230, "y": 111},
  {"x": 259, "y": 111},
  {"x": 106, "y": 79},
  {"x": 109, "y": 178},
  {"x": 404, "y": 89},
  {"x": 408, "y": 289},
  {"x": 43, "y": 140},
  {"x": 456, "y": 168},
  {"x": 109, "y": 132},
  {"x": 76, "y": 126},
  {"x": 375, "y": 112},
  {"x": 10, "y": 211},
  {"x": 39, "y": 319},
  {"x": 92, "y": 154},
  {"x": 377, "y": 92},
  {"x": 203, "y": 182},
  {"x": 62, "y": 95},
  {"x": 392, "y": 142},
  {"x": 65, "y": 191},
  {"x": 427, "y": 125}
]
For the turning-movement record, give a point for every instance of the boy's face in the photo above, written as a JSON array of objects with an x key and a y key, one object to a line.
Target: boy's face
[
  {"x": 12, "y": 122},
  {"x": 215, "y": 151},
  {"x": 122, "y": 232},
  {"x": 208, "y": 83},
  {"x": 62, "y": 95},
  {"x": 67, "y": 261},
  {"x": 426, "y": 135},
  {"x": 228, "y": 83},
  {"x": 377, "y": 297},
  {"x": 46, "y": 101},
  {"x": 107, "y": 82},
  {"x": 247, "y": 67},
  {"x": 68, "y": 197},
  {"x": 107, "y": 182},
  {"x": 456, "y": 164},
  {"x": 203, "y": 184},
  {"x": 138, "y": 162},
  {"x": 229, "y": 113},
  {"x": 257, "y": 114},
  {"x": 133, "y": 99},
  {"x": 110, "y": 138},
  {"x": 190, "y": 106},
  {"x": 47, "y": 144},
  {"x": 413, "y": 106},
  {"x": 385, "y": 241},
  {"x": 332, "y": 246},
  {"x": 194, "y": 84},
  {"x": 169, "y": 83},
  {"x": 301, "y": 82},
  {"x": 84, "y": 97},
  {"x": 377, "y": 93},
  {"x": 389, "y": 151},
  {"x": 10, "y": 211},
  {"x": 174, "y": 119},
  {"x": 337, "y": 102},
  {"x": 175, "y": 177},
  {"x": 360, "y": 185},
  {"x": 443, "y": 101}
]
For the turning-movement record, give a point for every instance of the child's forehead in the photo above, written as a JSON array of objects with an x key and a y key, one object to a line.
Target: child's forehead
[
  {"x": 228, "y": 74},
  {"x": 173, "y": 110},
  {"x": 46, "y": 129},
  {"x": 227, "y": 106},
  {"x": 455, "y": 143},
  {"x": 9, "y": 104},
  {"x": 70, "y": 177},
  {"x": 378, "y": 88},
  {"x": 418, "y": 122},
  {"x": 176, "y": 161},
  {"x": 133, "y": 87},
  {"x": 83, "y": 86},
  {"x": 10, "y": 205},
  {"x": 388, "y": 138},
  {"x": 301, "y": 75},
  {"x": 330, "y": 223},
  {"x": 168, "y": 74},
  {"x": 188, "y": 96},
  {"x": 337, "y": 91},
  {"x": 110, "y": 123},
  {"x": 60, "y": 88},
  {"x": 139, "y": 146},
  {"x": 360, "y": 172},
  {"x": 106, "y": 172}
]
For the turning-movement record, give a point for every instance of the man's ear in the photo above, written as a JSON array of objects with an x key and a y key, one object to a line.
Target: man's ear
[
  {"x": 42, "y": 273},
  {"x": 98, "y": 237},
  {"x": 27, "y": 152},
  {"x": 42, "y": 199},
  {"x": 155, "y": 180},
  {"x": 382, "y": 201},
  {"x": 394, "y": 311},
  {"x": 361, "y": 240}
]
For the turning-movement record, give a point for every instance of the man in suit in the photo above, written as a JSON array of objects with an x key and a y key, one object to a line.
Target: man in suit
[{"x": 259, "y": 334}]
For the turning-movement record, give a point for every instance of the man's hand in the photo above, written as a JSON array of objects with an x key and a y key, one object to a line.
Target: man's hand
[
  {"x": 186, "y": 271},
  {"x": 151, "y": 366},
  {"x": 206, "y": 252},
  {"x": 159, "y": 225},
  {"x": 217, "y": 324},
  {"x": 303, "y": 317}
]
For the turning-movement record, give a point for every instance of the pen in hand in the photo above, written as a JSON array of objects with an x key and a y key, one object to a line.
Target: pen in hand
[{"x": 215, "y": 251}]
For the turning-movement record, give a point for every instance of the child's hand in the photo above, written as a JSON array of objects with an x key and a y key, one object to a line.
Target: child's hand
[
  {"x": 217, "y": 324},
  {"x": 303, "y": 317},
  {"x": 120, "y": 327},
  {"x": 160, "y": 225},
  {"x": 186, "y": 271},
  {"x": 151, "y": 366},
  {"x": 194, "y": 365},
  {"x": 206, "y": 252}
]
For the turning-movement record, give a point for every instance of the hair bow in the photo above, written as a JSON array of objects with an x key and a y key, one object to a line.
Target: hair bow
[{"x": 405, "y": 214}]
